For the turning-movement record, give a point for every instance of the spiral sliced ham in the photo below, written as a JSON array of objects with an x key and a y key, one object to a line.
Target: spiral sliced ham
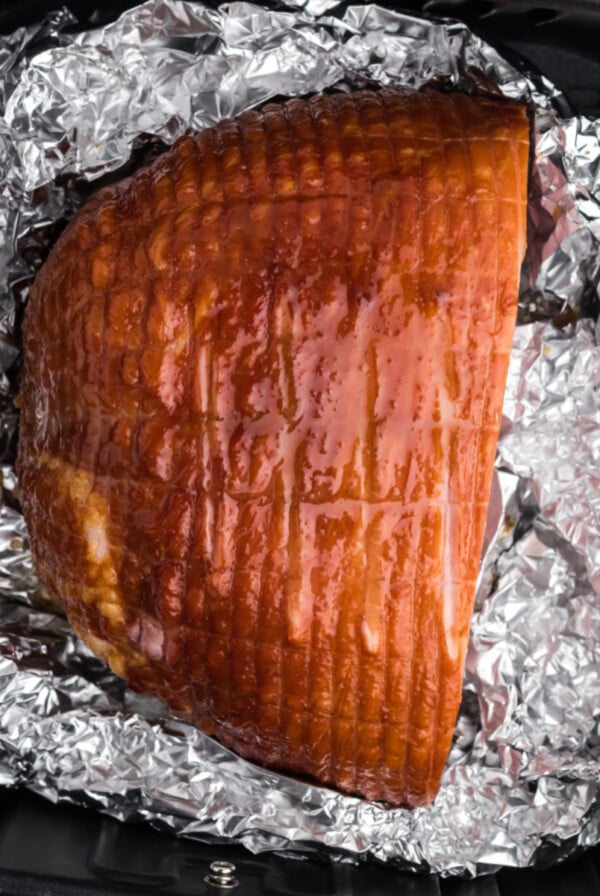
[{"x": 261, "y": 395}]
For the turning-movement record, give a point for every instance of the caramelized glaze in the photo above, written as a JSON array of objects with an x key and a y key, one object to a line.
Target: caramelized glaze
[{"x": 261, "y": 396}]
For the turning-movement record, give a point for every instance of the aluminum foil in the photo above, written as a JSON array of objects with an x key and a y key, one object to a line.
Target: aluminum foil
[{"x": 78, "y": 108}]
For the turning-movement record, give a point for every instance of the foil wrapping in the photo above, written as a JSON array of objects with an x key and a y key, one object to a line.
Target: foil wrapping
[{"x": 78, "y": 108}]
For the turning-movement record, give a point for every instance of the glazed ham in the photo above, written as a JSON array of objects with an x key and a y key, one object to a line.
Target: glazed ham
[{"x": 261, "y": 395}]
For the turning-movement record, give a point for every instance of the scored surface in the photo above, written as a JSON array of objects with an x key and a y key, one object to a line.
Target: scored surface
[{"x": 262, "y": 389}]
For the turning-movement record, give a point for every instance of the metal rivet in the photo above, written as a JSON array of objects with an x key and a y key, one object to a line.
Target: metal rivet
[{"x": 222, "y": 874}]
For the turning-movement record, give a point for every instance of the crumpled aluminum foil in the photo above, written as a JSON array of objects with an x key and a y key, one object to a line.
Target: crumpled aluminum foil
[{"x": 521, "y": 783}]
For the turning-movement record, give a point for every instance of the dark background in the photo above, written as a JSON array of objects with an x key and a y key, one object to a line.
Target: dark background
[{"x": 48, "y": 850}]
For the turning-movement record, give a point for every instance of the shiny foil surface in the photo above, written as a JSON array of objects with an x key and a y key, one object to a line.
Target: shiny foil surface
[{"x": 79, "y": 108}]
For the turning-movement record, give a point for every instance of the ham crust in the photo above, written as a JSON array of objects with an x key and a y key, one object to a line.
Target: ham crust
[{"x": 261, "y": 395}]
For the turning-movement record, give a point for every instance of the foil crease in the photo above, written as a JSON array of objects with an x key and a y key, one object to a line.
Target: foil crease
[{"x": 78, "y": 108}]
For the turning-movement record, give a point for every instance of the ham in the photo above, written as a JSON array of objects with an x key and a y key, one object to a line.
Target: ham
[{"x": 261, "y": 395}]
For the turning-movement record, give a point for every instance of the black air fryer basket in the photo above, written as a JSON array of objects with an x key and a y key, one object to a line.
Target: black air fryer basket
[{"x": 62, "y": 850}]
